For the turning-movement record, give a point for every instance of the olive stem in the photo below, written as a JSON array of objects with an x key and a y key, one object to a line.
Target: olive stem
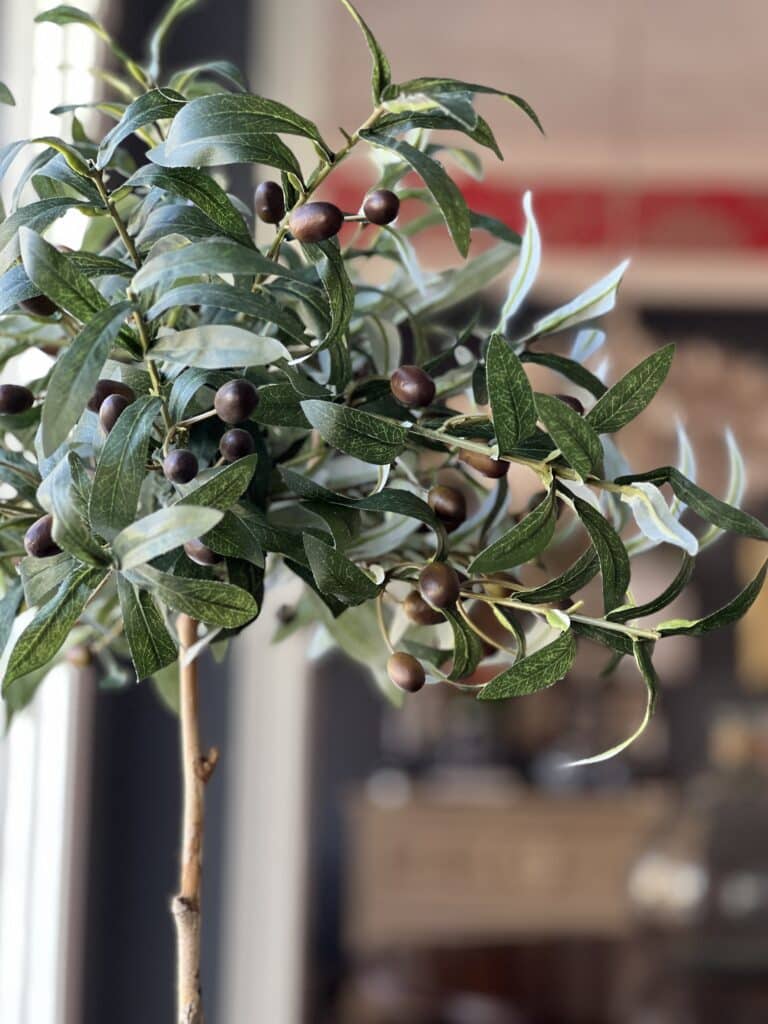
[
  {"x": 481, "y": 633},
  {"x": 382, "y": 623},
  {"x": 196, "y": 771}
]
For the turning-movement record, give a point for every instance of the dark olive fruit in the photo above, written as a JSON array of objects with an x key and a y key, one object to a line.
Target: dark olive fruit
[
  {"x": 574, "y": 403},
  {"x": 405, "y": 671},
  {"x": 269, "y": 202},
  {"x": 104, "y": 388},
  {"x": 180, "y": 466},
  {"x": 449, "y": 505},
  {"x": 111, "y": 409},
  {"x": 314, "y": 222},
  {"x": 38, "y": 540},
  {"x": 15, "y": 399},
  {"x": 235, "y": 400},
  {"x": 418, "y": 611},
  {"x": 236, "y": 444},
  {"x": 439, "y": 584},
  {"x": 493, "y": 468},
  {"x": 381, "y": 206},
  {"x": 201, "y": 553},
  {"x": 412, "y": 386},
  {"x": 39, "y": 305},
  {"x": 286, "y": 613}
]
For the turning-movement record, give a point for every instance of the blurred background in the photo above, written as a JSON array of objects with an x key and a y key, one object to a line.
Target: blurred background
[{"x": 435, "y": 865}]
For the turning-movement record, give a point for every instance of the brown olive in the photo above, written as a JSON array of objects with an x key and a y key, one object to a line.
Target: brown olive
[
  {"x": 439, "y": 584},
  {"x": 111, "y": 409},
  {"x": 412, "y": 386},
  {"x": 574, "y": 403},
  {"x": 449, "y": 505},
  {"x": 38, "y": 540},
  {"x": 495, "y": 469},
  {"x": 236, "y": 444},
  {"x": 405, "y": 671},
  {"x": 39, "y": 305},
  {"x": 381, "y": 206},
  {"x": 15, "y": 399},
  {"x": 269, "y": 202},
  {"x": 201, "y": 553},
  {"x": 314, "y": 222},
  {"x": 104, "y": 388},
  {"x": 235, "y": 400},
  {"x": 180, "y": 466},
  {"x": 418, "y": 611}
]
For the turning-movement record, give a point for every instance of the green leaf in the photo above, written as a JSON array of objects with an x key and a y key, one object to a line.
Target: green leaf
[
  {"x": 9, "y": 606},
  {"x": 467, "y": 646},
  {"x": 527, "y": 268},
  {"x": 220, "y": 488},
  {"x": 44, "y": 636},
  {"x": 523, "y": 542},
  {"x": 213, "y": 256},
  {"x": 6, "y": 96},
  {"x": 42, "y": 576},
  {"x": 703, "y": 504},
  {"x": 668, "y": 595},
  {"x": 510, "y": 395},
  {"x": 199, "y": 188},
  {"x": 594, "y": 302},
  {"x": 446, "y": 86},
  {"x": 655, "y": 519},
  {"x": 15, "y": 286},
  {"x": 239, "y": 300},
  {"x": 367, "y": 437},
  {"x": 584, "y": 569},
  {"x": 151, "y": 645},
  {"x": 155, "y": 105},
  {"x": 57, "y": 278},
  {"x": 572, "y": 434},
  {"x": 239, "y": 122},
  {"x": 336, "y": 575},
  {"x": 539, "y": 670},
  {"x": 67, "y": 488},
  {"x": 280, "y": 406},
  {"x": 436, "y": 121},
  {"x": 120, "y": 470},
  {"x": 219, "y": 604},
  {"x": 218, "y": 346},
  {"x": 615, "y": 641},
  {"x": 75, "y": 374},
  {"x": 332, "y": 271},
  {"x": 218, "y": 151},
  {"x": 66, "y": 15},
  {"x": 444, "y": 190},
  {"x": 172, "y": 13},
  {"x": 629, "y": 396},
  {"x": 737, "y": 483},
  {"x": 236, "y": 536},
  {"x": 225, "y": 69},
  {"x": 35, "y": 217},
  {"x": 19, "y": 473},
  {"x": 381, "y": 73},
  {"x": 162, "y": 531},
  {"x": 642, "y": 651},
  {"x": 731, "y": 612},
  {"x": 569, "y": 368},
  {"x": 614, "y": 560}
]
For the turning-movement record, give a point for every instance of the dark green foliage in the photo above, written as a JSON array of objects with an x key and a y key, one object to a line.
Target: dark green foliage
[{"x": 265, "y": 408}]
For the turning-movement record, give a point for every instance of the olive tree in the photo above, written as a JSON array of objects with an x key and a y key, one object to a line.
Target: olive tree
[{"x": 217, "y": 413}]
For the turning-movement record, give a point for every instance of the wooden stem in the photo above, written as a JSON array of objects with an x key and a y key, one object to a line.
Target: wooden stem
[{"x": 196, "y": 770}]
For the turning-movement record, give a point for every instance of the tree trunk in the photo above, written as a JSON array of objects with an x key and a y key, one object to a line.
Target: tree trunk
[{"x": 196, "y": 770}]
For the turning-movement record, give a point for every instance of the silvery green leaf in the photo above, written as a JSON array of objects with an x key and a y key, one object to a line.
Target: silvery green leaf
[
  {"x": 151, "y": 645},
  {"x": 361, "y": 434},
  {"x": 42, "y": 576},
  {"x": 68, "y": 489},
  {"x": 586, "y": 343},
  {"x": 614, "y": 561},
  {"x": 510, "y": 395},
  {"x": 628, "y": 612},
  {"x": 737, "y": 485},
  {"x": 218, "y": 347},
  {"x": 219, "y": 604},
  {"x": 539, "y": 670},
  {"x": 729, "y": 613},
  {"x": 211, "y": 256},
  {"x": 467, "y": 646},
  {"x": 522, "y": 542},
  {"x": 57, "y": 278},
  {"x": 381, "y": 73},
  {"x": 155, "y": 105},
  {"x": 6, "y": 96},
  {"x": 220, "y": 487},
  {"x": 569, "y": 368},
  {"x": 75, "y": 374},
  {"x": 407, "y": 255},
  {"x": 9, "y": 606},
  {"x": 337, "y": 575},
  {"x": 655, "y": 519},
  {"x": 527, "y": 268},
  {"x": 686, "y": 463},
  {"x": 171, "y": 14},
  {"x": 629, "y": 396},
  {"x": 642, "y": 650},
  {"x": 577, "y": 441},
  {"x": 162, "y": 531},
  {"x": 594, "y": 302}
]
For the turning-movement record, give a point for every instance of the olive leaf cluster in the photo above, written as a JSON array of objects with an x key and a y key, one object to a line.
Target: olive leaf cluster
[{"x": 213, "y": 410}]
